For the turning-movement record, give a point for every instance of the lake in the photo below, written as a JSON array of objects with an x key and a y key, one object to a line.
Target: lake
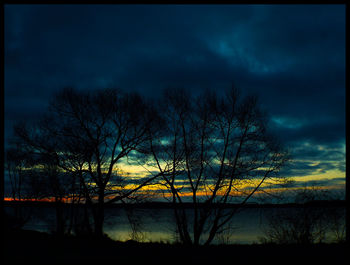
[{"x": 158, "y": 224}]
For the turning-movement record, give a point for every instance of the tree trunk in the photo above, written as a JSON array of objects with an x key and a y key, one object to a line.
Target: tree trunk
[
  {"x": 99, "y": 218},
  {"x": 59, "y": 217}
]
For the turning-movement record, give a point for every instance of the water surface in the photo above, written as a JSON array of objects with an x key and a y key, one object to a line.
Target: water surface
[{"x": 158, "y": 225}]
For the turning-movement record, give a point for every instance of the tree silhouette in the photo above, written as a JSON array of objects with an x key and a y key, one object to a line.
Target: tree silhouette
[
  {"x": 307, "y": 223},
  {"x": 218, "y": 151},
  {"x": 208, "y": 149},
  {"x": 88, "y": 134}
]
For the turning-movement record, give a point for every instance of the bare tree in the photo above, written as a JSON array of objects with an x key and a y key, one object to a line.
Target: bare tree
[
  {"x": 15, "y": 164},
  {"x": 310, "y": 221},
  {"x": 217, "y": 151},
  {"x": 88, "y": 134},
  {"x": 35, "y": 170}
]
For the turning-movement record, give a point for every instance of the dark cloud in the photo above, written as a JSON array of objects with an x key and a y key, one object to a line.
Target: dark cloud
[
  {"x": 310, "y": 129},
  {"x": 319, "y": 153},
  {"x": 305, "y": 168},
  {"x": 327, "y": 182},
  {"x": 292, "y": 56}
]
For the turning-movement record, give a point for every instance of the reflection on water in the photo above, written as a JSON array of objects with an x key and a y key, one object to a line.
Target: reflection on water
[{"x": 158, "y": 225}]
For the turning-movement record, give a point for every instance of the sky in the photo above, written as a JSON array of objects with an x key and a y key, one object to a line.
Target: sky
[{"x": 291, "y": 56}]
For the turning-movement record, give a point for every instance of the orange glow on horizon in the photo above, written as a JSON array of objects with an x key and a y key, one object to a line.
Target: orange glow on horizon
[{"x": 52, "y": 199}]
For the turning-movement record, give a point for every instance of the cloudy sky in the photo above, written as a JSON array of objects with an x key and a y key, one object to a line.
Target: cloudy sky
[{"x": 292, "y": 56}]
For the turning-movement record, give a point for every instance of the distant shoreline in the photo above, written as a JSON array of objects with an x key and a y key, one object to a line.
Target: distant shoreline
[{"x": 167, "y": 205}]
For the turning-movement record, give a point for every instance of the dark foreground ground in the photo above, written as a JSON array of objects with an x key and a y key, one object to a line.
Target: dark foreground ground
[{"x": 30, "y": 247}]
